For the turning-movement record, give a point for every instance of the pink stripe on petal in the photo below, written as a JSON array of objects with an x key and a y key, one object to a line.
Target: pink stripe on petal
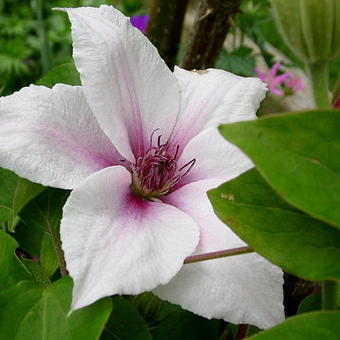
[{"x": 98, "y": 160}]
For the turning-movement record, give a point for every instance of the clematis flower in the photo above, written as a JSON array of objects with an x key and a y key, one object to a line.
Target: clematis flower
[
  {"x": 272, "y": 79},
  {"x": 138, "y": 145},
  {"x": 140, "y": 22}
]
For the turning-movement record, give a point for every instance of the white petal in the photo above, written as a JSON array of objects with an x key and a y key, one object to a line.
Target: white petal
[
  {"x": 117, "y": 243},
  {"x": 214, "y": 157},
  {"x": 213, "y": 97},
  {"x": 239, "y": 289},
  {"x": 50, "y": 136},
  {"x": 127, "y": 84}
]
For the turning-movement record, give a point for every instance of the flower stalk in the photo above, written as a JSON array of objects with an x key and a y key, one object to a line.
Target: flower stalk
[
  {"x": 44, "y": 47},
  {"x": 218, "y": 254},
  {"x": 330, "y": 295},
  {"x": 319, "y": 75}
]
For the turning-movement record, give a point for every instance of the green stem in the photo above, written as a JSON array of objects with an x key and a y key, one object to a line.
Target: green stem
[
  {"x": 330, "y": 295},
  {"x": 319, "y": 76},
  {"x": 44, "y": 47},
  {"x": 57, "y": 248},
  {"x": 218, "y": 254},
  {"x": 59, "y": 252}
]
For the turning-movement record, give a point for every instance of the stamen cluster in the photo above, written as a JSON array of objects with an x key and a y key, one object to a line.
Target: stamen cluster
[{"x": 156, "y": 172}]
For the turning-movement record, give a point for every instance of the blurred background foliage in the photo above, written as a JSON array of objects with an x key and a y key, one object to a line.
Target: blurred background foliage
[{"x": 34, "y": 38}]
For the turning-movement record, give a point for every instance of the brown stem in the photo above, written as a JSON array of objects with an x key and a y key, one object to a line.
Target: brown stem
[
  {"x": 218, "y": 254},
  {"x": 212, "y": 23},
  {"x": 165, "y": 27},
  {"x": 242, "y": 332}
]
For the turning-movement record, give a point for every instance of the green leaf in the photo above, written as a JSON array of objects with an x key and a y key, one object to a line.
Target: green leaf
[
  {"x": 185, "y": 325},
  {"x": 28, "y": 311},
  {"x": 65, "y": 73},
  {"x": 289, "y": 238},
  {"x": 16, "y": 192},
  {"x": 39, "y": 232},
  {"x": 310, "y": 326},
  {"x": 310, "y": 303},
  {"x": 38, "y": 273},
  {"x": 298, "y": 155},
  {"x": 125, "y": 322},
  {"x": 12, "y": 269},
  {"x": 48, "y": 256},
  {"x": 148, "y": 305},
  {"x": 240, "y": 61}
]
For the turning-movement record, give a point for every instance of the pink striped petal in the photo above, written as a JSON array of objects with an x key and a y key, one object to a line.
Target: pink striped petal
[
  {"x": 50, "y": 136},
  {"x": 239, "y": 289},
  {"x": 117, "y": 243},
  {"x": 213, "y": 97},
  {"x": 127, "y": 84},
  {"x": 214, "y": 157}
]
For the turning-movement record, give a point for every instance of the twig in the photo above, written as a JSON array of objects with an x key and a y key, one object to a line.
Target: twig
[
  {"x": 218, "y": 254},
  {"x": 165, "y": 27},
  {"x": 211, "y": 26},
  {"x": 242, "y": 332}
]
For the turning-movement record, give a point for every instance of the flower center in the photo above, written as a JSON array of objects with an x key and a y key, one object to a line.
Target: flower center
[{"x": 156, "y": 172}]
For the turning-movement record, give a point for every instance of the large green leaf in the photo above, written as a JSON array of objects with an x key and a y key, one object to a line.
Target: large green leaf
[
  {"x": 289, "y": 238},
  {"x": 11, "y": 268},
  {"x": 148, "y": 305},
  {"x": 185, "y": 325},
  {"x": 16, "y": 192},
  {"x": 298, "y": 154},
  {"x": 310, "y": 303},
  {"x": 310, "y": 326},
  {"x": 65, "y": 73},
  {"x": 39, "y": 232},
  {"x": 125, "y": 322},
  {"x": 28, "y": 311}
]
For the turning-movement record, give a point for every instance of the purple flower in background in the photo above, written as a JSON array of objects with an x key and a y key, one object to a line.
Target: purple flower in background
[
  {"x": 294, "y": 83},
  {"x": 272, "y": 79},
  {"x": 140, "y": 22}
]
